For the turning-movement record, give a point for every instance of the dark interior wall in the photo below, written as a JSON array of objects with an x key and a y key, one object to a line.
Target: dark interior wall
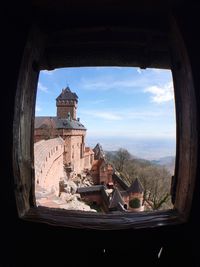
[
  {"x": 43, "y": 244},
  {"x": 188, "y": 21}
]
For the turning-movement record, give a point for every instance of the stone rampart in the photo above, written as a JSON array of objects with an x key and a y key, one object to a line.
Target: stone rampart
[{"x": 48, "y": 161}]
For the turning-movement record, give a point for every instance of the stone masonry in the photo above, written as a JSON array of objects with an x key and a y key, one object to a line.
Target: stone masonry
[
  {"x": 48, "y": 157},
  {"x": 70, "y": 129}
]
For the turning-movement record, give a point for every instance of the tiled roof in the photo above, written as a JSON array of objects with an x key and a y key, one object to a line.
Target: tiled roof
[
  {"x": 116, "y": 199},
  {"x": 120, "y": 207},
  {"x": 90, "y": 189},
  {"x": 95, "y": 189},
  {"x": 124, "y": 193},
  {"x": 98, "y": 152},
  {"x": 136, "y": 187},
  {"x": 58, "y": 123},
  {"x": 120, "y": 181},
  {"x": 67, "y": 95}
]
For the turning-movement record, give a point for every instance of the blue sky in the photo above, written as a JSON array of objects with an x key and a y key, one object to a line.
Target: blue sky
[{"x": 114, "y": 101}]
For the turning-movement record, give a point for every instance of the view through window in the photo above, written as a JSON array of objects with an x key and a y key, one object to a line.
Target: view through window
[{"x": 104, "y": 139}]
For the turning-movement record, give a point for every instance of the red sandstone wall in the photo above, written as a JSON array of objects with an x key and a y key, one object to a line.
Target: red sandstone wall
[
  {"x": 48, "y": 163},
  {"x": 77, "y": 160},
  {"x": 74, "y": 145},
  {"x": 63, "y": 109},
  {"x": 105, "y": 173}
]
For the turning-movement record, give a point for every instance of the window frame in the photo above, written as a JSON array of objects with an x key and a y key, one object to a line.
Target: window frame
[{"x": 186, "y": 150}]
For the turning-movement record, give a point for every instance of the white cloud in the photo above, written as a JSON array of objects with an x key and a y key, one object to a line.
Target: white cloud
[
  {"x": 48, "y": 72},
  {"x": 94, "y": 102},
  {"x": 126, "y": 114},
  {"x": 42, "y": 88},
  {"x": 37, "y": 108},
  {"x": 161, "y": 94},
  {"x": 108, "y": 116},
  {"x": 102, "y": 114},
  {"x": 143, "y": 114},
  {"x": 158, "y": 71},
  {"x": 108, "y": 84},
  {"x": 127, "y": 82}
]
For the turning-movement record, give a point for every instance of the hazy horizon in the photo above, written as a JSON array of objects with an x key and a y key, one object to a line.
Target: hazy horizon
[{"x": 150, "y": 149}]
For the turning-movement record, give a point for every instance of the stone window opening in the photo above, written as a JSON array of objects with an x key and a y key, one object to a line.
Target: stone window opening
[{"x": 185, "y": 169}]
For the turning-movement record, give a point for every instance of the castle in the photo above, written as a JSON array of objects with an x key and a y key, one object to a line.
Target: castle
[
  {"x": 60, "y": 151},
  {"x": 76, "y": 156}
]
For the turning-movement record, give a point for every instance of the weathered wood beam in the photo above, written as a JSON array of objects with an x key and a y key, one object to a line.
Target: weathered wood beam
[
  {"x": 104, "y": 56},
  {"x": 91, "y": 220},
  {"x": 23, "y": 158}
]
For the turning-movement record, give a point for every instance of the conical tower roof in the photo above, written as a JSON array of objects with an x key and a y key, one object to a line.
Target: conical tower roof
[
  {"x": 98, "y": 152},
  {"x": 116, "y": 199},
  {"x": 136, "y": 187}
]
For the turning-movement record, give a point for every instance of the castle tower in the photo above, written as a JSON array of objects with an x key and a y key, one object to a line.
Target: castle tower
[
  {"x": 136, "y": 194},
  {"x": 66, "y": 103},
  {"x": 70, "y": 129}
]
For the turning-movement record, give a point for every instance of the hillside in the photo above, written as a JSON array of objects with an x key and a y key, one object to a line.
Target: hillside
[
  {"x": 167, "y": 162},
  {"x": 155, "y": 176}
]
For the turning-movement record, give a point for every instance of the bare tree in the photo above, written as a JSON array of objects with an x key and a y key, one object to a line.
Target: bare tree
[
  {"x": 156, "y": 180},
  {"x": 121, "y": 159}
]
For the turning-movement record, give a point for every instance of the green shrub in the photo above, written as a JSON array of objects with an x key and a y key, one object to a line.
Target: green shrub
[{"x": 134, "y": 203}]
